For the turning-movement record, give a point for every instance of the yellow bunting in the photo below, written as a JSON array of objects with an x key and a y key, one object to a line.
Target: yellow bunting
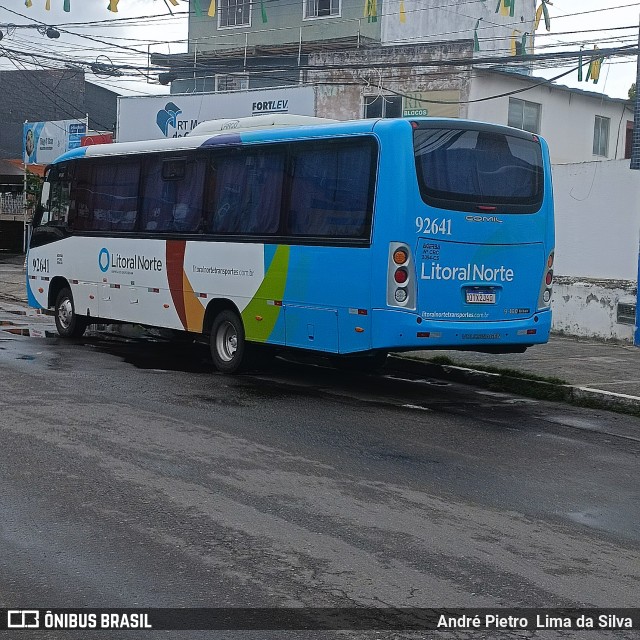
[
  {"x": 403, "y": 15},
  {"x": 47, "y": 5},
  {"x": 514, "y": 38},
  {"x": 212, "y": 9},
  {"x": 113, "y": 5},
  {"x": 174, "y": 2},
  {"x": 28, "y": 3}
]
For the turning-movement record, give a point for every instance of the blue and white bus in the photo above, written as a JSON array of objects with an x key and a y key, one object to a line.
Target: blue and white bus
[{"x": 351, "y": 239}]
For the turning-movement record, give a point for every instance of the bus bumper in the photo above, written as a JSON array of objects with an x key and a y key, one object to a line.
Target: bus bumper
[{"x": 407, "y": 331}]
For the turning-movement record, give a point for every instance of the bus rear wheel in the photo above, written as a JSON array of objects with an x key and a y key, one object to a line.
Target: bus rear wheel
[
  {"x": 68, "y": 323},
  {"x": 228, "y": 346}
]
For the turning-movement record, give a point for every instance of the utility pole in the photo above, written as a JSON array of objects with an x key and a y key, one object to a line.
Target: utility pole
[{"x": 635, "y": 165}]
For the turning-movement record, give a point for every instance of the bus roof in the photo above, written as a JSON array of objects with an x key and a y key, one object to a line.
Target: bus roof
[{"x": 233, "y": 132}]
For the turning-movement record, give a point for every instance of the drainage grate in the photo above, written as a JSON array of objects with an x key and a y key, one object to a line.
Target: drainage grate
[{"x": 626, "y": 313}]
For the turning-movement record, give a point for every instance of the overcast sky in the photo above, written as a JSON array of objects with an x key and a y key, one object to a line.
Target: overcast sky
[{"x": 158, "y": 31}]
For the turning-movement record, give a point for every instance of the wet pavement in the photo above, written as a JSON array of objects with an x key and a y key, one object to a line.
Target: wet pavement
[{"x": 584, "y": 371}]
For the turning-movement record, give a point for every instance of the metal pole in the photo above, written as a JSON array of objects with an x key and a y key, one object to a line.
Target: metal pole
[
  {"x": 24, "y": 199},
  {"x": 25, "y": 226},
  {"x": 635, "y": 165}
]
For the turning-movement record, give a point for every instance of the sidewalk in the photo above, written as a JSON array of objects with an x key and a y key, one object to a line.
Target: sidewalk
[{"x": 580, "y": 371}]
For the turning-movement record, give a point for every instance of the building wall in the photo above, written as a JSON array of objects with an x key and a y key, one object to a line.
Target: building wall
[
  {"x": 437, "y": 21},
  {"x": 38, "y": 96},
  {"x": 597, "y": 240},
  {"x": 285, "y": 25},
  {"x": 102, "y": 107},
  {"x": 568, "y": 118},
  {"x": 412, "y": 69}
]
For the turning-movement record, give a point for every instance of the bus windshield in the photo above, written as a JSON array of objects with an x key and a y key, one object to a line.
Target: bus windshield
[{"x": 463, "y": 169}]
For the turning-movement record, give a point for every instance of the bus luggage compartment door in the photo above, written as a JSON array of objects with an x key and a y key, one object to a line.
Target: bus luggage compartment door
[
  {"x": 311, "y": 328},
  {"x": 460, "y": 281}
]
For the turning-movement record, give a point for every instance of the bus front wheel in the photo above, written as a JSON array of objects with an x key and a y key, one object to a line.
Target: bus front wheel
[
  {"x": 228, "y": 346},
  {"x": 68, "y": 323}
]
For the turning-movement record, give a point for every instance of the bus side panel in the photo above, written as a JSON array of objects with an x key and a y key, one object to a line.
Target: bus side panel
[{"x": 328, "y": 298}]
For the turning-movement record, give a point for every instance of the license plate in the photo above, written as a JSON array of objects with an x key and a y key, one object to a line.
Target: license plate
[{"x": 477, "y": 297}]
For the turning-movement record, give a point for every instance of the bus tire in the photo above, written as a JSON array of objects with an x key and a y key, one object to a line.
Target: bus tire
[
  {"x": 68, "y": 323},
  {"x": 228, "y": 346}
]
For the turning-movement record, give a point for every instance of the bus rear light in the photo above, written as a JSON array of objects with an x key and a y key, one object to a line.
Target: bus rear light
[
  {"x": 423, "y": 334},
  {"x": 527, "y": 332},
  {"x": 401, "y": 295},
  {"x": 544, "y": 298},
  {"x": 359, "y": 330},
  {"x": 400, "y": 256},
  {"x": 401, "y": 275}
]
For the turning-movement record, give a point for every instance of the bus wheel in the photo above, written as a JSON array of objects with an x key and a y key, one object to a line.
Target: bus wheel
[
  {"x": 68, "y": 323},
  {"x": 369, "y": 363},
  {"x": 228, "y": 347}
]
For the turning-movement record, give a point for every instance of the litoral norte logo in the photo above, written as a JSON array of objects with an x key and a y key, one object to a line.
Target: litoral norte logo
[
  {"x": 469, "y": 272},
  {"x": 128, "y": 263},
  {"x": 104, "y": 260}
]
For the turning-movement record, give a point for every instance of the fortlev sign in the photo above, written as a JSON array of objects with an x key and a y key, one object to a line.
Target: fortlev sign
[{"x": 175, "y": 116}]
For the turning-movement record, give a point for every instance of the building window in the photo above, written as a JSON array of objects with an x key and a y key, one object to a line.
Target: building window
[
  {"x": 383, "y": 107},
  {"x": 601, "y": 137},
  {"x": 321, "y": 8},
  {"x": 628, "y": 141},
  {"x": 228, "y": 82},
  {"x": 524, "y": 115},
  {"x": 234, "y": 13}
]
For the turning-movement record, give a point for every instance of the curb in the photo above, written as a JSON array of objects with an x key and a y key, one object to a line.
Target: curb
[{"x": 539, "y": 389}]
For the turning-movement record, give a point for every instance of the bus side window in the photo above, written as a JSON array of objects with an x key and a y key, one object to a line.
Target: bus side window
[
  {"x": 172, "y": 195},
  {"x": 80, "y": 215},
  {"x": 331, "y": 190},
  {"x": 55, "y": 208},
  {"x": 247, "y": 194}
]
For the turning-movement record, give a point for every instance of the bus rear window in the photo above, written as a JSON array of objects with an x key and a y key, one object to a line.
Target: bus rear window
[{"x": 467, "y": 169}]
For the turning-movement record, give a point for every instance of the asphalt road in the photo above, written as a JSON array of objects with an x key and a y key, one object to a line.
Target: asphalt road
[{"x": 132, "y": 476}]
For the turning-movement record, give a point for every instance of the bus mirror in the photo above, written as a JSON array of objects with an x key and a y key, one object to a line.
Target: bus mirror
[{"x": 46, "y": 190}]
